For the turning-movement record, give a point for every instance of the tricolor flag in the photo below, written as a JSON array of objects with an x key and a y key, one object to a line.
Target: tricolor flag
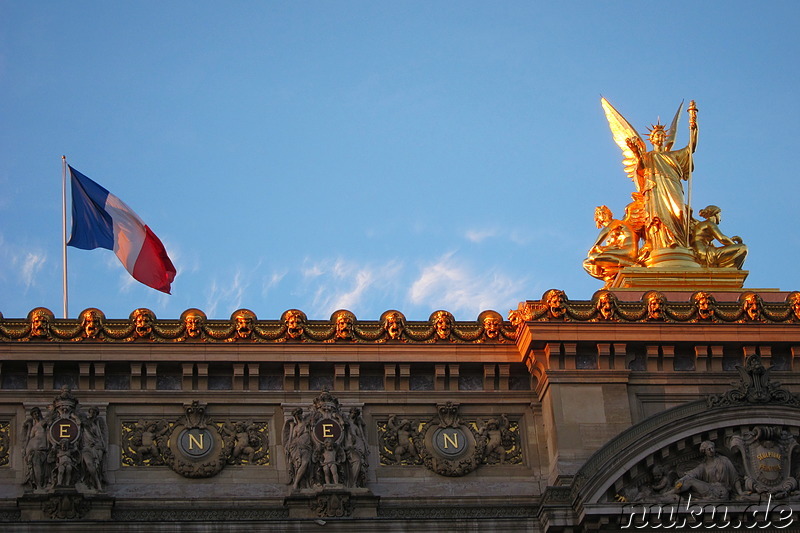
[{"x": 101, "y": 220}]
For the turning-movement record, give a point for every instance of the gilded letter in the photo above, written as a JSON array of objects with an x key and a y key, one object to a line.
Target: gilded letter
[
  {"x": 452, "y": 440},
  {"x": 193, "y": 440}
]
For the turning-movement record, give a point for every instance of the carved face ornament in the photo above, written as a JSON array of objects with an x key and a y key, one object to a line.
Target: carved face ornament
[
  {"x": 344, "y": 326},
  {"x": 794, "y": 305},
  {"x": 442, "y": 325},
  {"x": 605, "y": 306},
  {"x": 143, "y": 322},
  {"x": 244, "y": 325},
  {"x": 294, "y": 327},
  {"x": 704, "y": 307},
  {"x": 194, "y": 325},
  {"x": 655, "y": 309},
  {"x": 555, "y": 304},
  {"x": 40, "y": 324},
  {"x": 393, "y": 326},
  {"x": 491, "y": 326},
  {"x": 752, "y": 307},
  {"x": 91, "y": 324}
]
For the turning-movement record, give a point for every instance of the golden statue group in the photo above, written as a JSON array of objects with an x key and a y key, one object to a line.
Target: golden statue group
[{"x": 658, "y": 229}]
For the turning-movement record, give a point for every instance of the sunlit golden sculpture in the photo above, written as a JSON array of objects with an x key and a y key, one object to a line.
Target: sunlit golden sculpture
[
  {"x": 658, "y": 230},
  {"x": 732, "y": 252},
  {"x": 658, "y": 174},
  {"x": 616, "y": 246}
]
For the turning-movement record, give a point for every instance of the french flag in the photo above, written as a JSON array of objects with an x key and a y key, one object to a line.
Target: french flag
[{"x": 101, "y": 220}]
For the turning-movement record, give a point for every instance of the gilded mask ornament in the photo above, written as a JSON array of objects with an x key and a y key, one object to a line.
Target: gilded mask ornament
[
  {"x": 393, "y": 325},
  {"x": 492, "y": 323},
  {"x": 704, "y": 304},
  {"x": 554, "y": 299},
  {"x": 294, "y": 319},
  {"x": 606, "y": 305},
  {"x": 243, "y": 322},
  {"x": 794, "y": 305},
  {"x": 751, "y": 306},
  {"x": 343, "y": 321},
  {"x": 40, "y": 320},
  {"x": 193, "y": 322},
  {"x": 655, "y": 306},
  {"x": 91, "y": 323},
  {"x": 143, "y": 319},
  {"x": 442, "y": 324}
]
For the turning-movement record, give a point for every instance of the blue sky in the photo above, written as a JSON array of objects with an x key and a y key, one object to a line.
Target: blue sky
[{"x": 378, "y": 155}]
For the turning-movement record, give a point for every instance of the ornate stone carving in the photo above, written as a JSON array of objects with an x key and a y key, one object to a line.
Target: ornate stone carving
[
  {"x": 713, "y": 479},
  {"x": 754, "y": 387},
  {"x": 767, "y": 453},
  {"x": 398, "y": 441},
  {"x": 65, "y": 446},
  {"x": 702, "y": 307},
  {"x": 66, "y": 507},
  {"x": 447, "y": 444},
  {"x": 501, "y": 441},
  {"x": 332, "y": 504},
  {"x": 194, "y": 446},
  {"x": 325, "y": 446}
]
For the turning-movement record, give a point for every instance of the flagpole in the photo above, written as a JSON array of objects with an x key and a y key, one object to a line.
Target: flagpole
[{"x": 64, "y": 229}]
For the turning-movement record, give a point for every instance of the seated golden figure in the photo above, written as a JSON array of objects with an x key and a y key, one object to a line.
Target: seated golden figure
[
  {"x": 616, "y": 247},
  {"x": 731, "y": 254}
]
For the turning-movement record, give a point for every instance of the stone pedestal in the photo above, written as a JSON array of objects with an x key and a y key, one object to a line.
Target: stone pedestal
[
  {"x": 332, "y": 501},
  {"x": 663, "y": 278},
  {"x": 677, "y": 258},
  {"x": 64, "y": 505}
]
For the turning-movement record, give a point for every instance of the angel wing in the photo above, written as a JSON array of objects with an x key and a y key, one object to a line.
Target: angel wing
[
  {"x": 673, "y": 129},
  {"x": 622, "y": 132}
]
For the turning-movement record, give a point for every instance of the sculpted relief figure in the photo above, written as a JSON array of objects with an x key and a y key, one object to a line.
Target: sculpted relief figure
[
  {"x": 493, "y": 432},
  {"x": 731, "y": 254},
  {"x": 78, "y": 453},
  {"x": 355, "y": 445},
  {"x": 35, "y": 449},
  {"x": 298, "y": 447},
  {"x": 714, "y": 479},
  {"x": 94, "y": 443}
]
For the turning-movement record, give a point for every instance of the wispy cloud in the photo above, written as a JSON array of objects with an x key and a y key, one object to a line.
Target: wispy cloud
[
  {"x": 347, "y": 284},
  {"x": 228, "y": 296},
  {"x": 31, "y": 265},
  {"x": 448, "y": 284},
  {"x": 480, "y": 235},
  {"x": 21, "y": 264}
]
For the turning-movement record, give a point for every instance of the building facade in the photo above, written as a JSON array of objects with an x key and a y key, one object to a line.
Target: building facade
[{"x": 572, "y": 415}]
